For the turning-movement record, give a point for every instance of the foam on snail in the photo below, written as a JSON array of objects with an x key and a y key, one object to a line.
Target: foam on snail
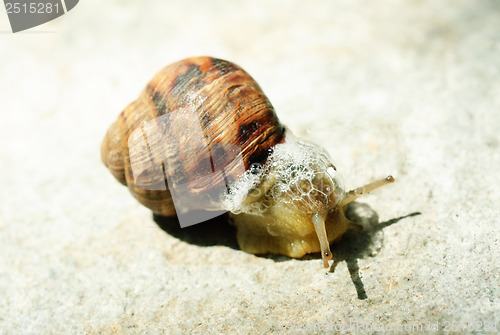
[{"x": 295, "y": 205}]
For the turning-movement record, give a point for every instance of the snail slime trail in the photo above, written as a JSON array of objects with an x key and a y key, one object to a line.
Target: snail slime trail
[{"x": 202, "y": 135}]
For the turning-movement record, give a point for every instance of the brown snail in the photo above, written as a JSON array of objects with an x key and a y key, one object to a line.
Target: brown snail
[{"x": 203, "y": 136}]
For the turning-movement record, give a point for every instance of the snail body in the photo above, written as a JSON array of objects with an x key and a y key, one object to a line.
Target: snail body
[{"x": 203, "y": 136}]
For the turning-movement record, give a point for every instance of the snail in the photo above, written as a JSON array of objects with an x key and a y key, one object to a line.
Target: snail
[{"x": 203, "y": 136}]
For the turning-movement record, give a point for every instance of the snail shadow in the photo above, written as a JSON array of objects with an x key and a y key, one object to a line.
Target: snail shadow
[
  {"x": 355, "y": 244},
  {"x": 367, "y": 241},
  {"x": 214, "y": 232}
]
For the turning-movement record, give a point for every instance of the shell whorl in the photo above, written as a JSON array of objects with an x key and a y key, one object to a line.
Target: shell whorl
[{"x": 205, "y": 92}]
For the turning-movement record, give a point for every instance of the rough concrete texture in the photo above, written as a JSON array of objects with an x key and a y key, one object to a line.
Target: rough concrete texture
[{"x": 387, "y": 87}]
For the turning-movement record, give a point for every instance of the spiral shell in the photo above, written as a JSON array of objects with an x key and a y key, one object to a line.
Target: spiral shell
[{"x": 221, "y": 97}]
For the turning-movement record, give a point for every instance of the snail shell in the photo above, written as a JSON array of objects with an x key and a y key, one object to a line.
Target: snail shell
[{"x": 202, "y": 115}]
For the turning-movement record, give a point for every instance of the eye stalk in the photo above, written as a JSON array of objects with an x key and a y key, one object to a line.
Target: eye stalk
[
  {"x": 318, "y": 220},
  {"x": 356, "y": 193}
]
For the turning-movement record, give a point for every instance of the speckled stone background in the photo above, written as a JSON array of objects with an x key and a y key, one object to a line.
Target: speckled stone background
[{"x": 409, "y": 88}]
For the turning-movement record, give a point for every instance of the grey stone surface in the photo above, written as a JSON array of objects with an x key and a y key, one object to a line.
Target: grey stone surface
[{"x": 407, "y": 88}]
